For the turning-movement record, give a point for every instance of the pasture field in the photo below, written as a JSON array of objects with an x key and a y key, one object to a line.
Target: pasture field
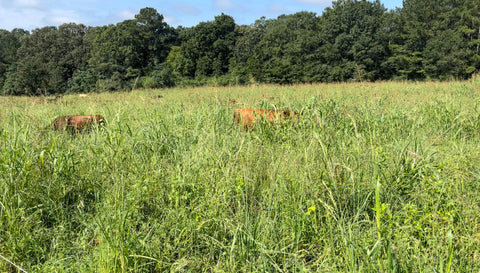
[{"x": 374, "y": 177}]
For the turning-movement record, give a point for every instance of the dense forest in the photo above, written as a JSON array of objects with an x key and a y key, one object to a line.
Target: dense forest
[{"x": 353, "y": 40}]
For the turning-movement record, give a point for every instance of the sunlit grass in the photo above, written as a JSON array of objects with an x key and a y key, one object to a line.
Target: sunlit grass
[{"x": 374, "y": 177}]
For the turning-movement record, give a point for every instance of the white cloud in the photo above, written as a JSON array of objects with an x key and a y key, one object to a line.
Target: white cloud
[
  {"x": 27, "y": 4},
  {"x": 26, "y": 19},
  {"x": 170, "y": 20},
  {"x": 126, "y": 14},
  {"x": 224, "y": 4},
  {"x": 187, "y": 8},
  {"x": 277, "y": 8},
  {"x": 31, "y": 14},
  {"x": 58, "y": 17}
]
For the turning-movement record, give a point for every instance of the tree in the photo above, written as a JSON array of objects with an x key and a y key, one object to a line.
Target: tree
[
  {"x": 356, "y": 40},
  {"x": 278, "y": 50},
  {"x": 114, "y": 51},
  {"x": 244, "y": 62},
  {"x": 208, "y": 47},
  {"x": 439, "y": 39},
  {"x": 156, "y": 37},
  {"x": 130, "y": 49},
  {"x": 9, "y": 44},
  {"x": 445, "y": 56},
  {"x": 47, "y": 59},
  {"x": 469, "y": 25}
]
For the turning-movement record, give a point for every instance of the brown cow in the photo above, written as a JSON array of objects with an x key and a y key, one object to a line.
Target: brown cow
[
  {"x": 248, "y": 116},
  {"x": 76, "y": 123}
]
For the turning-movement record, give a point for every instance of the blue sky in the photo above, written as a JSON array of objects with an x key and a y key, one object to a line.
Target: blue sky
[{"x": 31, "y": 14}]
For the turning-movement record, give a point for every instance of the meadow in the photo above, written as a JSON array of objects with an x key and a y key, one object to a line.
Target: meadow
[{"x": 374, "y": 177}]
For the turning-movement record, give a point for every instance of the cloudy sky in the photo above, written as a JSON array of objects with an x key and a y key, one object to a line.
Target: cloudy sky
[{"x": 31, "y": 14}]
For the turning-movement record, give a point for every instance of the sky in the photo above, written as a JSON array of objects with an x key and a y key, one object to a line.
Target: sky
[{"x": 31, "y": 14}]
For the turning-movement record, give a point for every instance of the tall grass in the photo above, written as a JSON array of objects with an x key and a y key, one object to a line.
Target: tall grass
[{"x": 373, "y": 177}]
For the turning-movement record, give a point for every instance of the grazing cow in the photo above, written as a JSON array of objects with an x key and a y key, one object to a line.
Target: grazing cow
[
  {"x": 247, "y": 116},
  {"x": 76, "y": 123}
]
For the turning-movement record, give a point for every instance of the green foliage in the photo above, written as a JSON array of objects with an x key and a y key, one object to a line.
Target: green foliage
[
  {"x": 355, "y": 37},
  {"x": 206, "y": 48},
  {"x": 286, "y": 45},
  {"x": 438, "y": 40},
  {"x": 47, "y": 59},
  {"x": 9, "y": 44},
  {"x": 83, "y": 81},
  {"x": 160, "y": 78},
  {"x": 130, "y": 49},
  {"x": 353, "y": 40}
]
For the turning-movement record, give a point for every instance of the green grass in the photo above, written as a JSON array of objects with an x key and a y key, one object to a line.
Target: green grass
[{"x": 375, "y": 177}]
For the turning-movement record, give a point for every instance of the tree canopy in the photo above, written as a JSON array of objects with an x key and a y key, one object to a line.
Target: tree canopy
[{"x": 353, "y": 40}]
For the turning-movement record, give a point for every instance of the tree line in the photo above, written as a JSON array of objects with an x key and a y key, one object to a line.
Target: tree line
[{"x": 353, "y": 40}]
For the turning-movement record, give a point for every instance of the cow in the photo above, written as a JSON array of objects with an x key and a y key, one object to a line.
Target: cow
[
  {"x": 77, "y": 123},
  {"x": 248, "y": 116}
]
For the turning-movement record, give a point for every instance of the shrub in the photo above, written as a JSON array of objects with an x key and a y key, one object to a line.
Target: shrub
[{"x": 83, "y": 81}]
